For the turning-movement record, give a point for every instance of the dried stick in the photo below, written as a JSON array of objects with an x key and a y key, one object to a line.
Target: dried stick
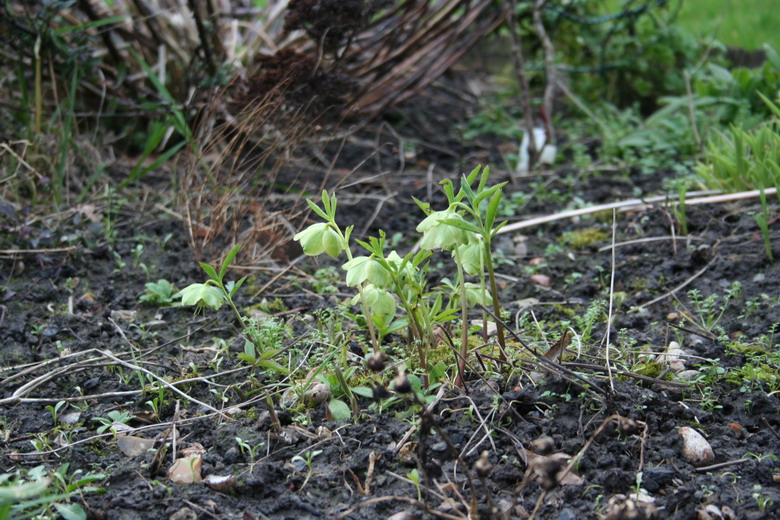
[
  {"x": 162, "y": 381},
  {"x": 611, "y": 302},
  {"x": 681, "y": 286},
  {"x": 713, "y": 197}
]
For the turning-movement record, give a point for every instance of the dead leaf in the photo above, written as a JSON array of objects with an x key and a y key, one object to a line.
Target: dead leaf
[
  {"x": 186, "y": 470},
  {"x": 550, "y": 469},
  {"x": 133, "y": 446},
  {"x": 555, "y": 352},
  {"x": 220, "y": 482}
]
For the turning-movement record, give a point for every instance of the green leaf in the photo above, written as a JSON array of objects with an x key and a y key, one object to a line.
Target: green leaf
[
  {"x": 438, "y": 371},
  {"x": 461, "y": 224},
  {"x": 70, "y": 511},
  {"x": 237, "y": 286},
  {"x": 465, "y": 186},
  {"x": 772, "y": 106},
  {"x": 228, "y": 260},
  {"x": 483, "y": 178},
  {"x": 425, "y": 206},
  {"x": 316, "y": 209},
  {"x": 492, "y": 210},
  {"x": 363, "y": 391},
  {"x": 210, "y": 272},
  {"x": 246, "y": 358},
  {"x": 339, "y": 410},
  {"x": 90, "y": 25},
  {"x": 13, "y": 494},
  {"x": 271, "y": 365},
  {"x": 326, "y": 203}
]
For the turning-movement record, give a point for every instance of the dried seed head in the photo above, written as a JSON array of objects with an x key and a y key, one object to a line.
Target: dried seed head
[
  {"x": 483, "y": 466},
  {"x": 380, "y": 392},
  {"x": 628, "y": 426},
  {"x": 547, "y": 469},
  {"x": 401, "y": 384},
  {"x": 376, "y": 363},
  {"x": 544, "y": 445}
]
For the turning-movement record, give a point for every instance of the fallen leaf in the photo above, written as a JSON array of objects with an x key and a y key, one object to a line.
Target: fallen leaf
[
  {"x": 133, "y": 446},
  {"x": 186, "y": 470},
  {"x": 220, "y": 482}
]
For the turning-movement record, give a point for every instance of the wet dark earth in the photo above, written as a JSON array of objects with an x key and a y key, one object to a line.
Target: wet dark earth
[{"x": 693, "y": 348}]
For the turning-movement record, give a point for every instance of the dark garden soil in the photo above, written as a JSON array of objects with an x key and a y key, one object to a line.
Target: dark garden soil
[{"x": 72, "y": 301}]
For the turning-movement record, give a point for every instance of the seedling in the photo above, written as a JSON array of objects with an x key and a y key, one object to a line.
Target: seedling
[
  {"x": 213, "y": 294},
  {"x": 708, "y": 312},
  {"x": 306, "y": 461},
  {"x": 247, "y": 450},
  {"x": 414, "y": 476},
  {"x": 159, "y": 293},
  {"x": 55, "y": 410},
  {"x": 762, "y": 501},
  {"x": 114, "y": 416},
  {"x": 28, "y": 494}
]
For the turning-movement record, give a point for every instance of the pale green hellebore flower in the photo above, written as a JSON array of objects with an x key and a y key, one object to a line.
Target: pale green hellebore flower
[
  {"x": 436, "y": 234},
  {"x": 364, "y": 268},
  {"x": 320, "y": 238},
  {"x": 475, "y": 294},
  {"x": 380, "y": 302},
  {"x": 198, "y": 293},
  {"x": 469, "y": 256}
]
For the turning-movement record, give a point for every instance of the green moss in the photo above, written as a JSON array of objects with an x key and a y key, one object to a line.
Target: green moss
[
  {"x": 566, "y": 310},
  {"x": 638, "y": 284},
  {"x": 755, "y": 376},
  {"x": 273, "y": 307},
  {"x": 583, "y": 238},
  {"x": 651, "y": 369},
  {"x": 746, "y": 349}
]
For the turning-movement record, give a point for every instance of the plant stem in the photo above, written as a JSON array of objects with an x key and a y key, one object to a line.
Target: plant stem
[
  {"x": 494, "y": 294},
  {"x": 237, "y": 314},
  {"x": 363, "y": 304},
  {"x": 464, "y": 310},
  {"x": 419, "y": 337},
  {"x": 269, "y": 403}
]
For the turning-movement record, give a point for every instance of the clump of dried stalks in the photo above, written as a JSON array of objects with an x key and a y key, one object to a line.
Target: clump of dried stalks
[
  {"x": 296, "y": 67},
  {"x": 360, "y": 58}
]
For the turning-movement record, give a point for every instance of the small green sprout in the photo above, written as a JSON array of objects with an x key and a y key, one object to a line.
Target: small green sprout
[{"x": 161, "y": 292}]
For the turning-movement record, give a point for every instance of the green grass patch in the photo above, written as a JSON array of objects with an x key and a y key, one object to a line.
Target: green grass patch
[{"x": 739, "y": 23}]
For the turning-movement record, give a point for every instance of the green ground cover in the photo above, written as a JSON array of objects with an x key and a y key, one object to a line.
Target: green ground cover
[{"x": 738, "y": 23}]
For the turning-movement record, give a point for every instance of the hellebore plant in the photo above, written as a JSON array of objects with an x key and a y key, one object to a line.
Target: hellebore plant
[
  {"x": 465, "y": 228},
  {"x": 470, "y": 241},
  {"x": 327, "y": 237},
  {"x": 214, "y": 293}
]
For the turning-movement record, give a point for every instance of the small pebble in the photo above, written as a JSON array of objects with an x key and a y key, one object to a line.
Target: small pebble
[
  {"x": 403, "y": 515},
  {"x": 696, "y": 449},
  {"x": 688, "y": 375},
  {"x": 220, "y": 482},
  {"x": 541, "y": 279}
]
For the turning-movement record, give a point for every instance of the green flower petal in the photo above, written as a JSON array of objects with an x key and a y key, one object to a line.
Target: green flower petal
[{"x": 198, "y": 293}]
